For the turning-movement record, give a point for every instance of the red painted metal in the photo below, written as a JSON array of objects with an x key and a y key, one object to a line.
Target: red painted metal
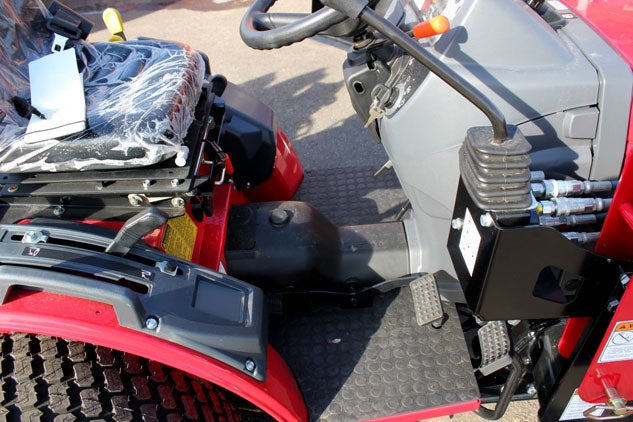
[
  {"x": 282, "y": 185},
  {"x": 286, "y": 178},
  {"x": 611, "y": 19},
  {"x": 96, "y": 323},
  {"x": 211, "y": 239},
  {"x": 618, "y": 373},
  {"x": 571, "y": 334},
  {"x": 434, "y": 412},
  {"x": 616, "y": 238}
]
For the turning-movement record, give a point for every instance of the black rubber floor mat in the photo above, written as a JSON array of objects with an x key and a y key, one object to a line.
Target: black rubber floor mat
[
  {"x": 351, "y": 196},
  {"x": 354, "y": 364}
]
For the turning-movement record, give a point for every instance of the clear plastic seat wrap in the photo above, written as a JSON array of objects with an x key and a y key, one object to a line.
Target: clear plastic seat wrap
[{"x": 140, "y": 98}]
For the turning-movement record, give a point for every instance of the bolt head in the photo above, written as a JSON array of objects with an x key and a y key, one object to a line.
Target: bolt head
[
  {"x": 612, "y": 305},
  {"x": 28, "y": 237},
  {"x": 12, "y": 188},
  {"x": 531, "y": 389},
  {"x": 279, "y": 217},
  {"x": 175, "y": 182},
  {"x": 135, "y": 200},
  {"x": 151, "y": 323},
  {"x": 250, "y": 365},
  {"x": 146, "y": 184},
  {"x": 178, "y": 202},
  {"x": 59, "y": 211},
  {"x": 486, "y": 220},
  {"x": 457, "y": 223}
]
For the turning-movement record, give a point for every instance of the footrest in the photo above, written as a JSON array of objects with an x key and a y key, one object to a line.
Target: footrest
[
  {"x": 495, "y": 347},
  {"x": 426, "y": 301},
  {"x": 357, "y": 364}
]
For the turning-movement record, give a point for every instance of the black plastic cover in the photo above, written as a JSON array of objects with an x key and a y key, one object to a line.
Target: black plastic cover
[
  {"x": 198, "y": 308},
  {"x": 67, "y": 22},
  {"x": 249, "y": 137}
]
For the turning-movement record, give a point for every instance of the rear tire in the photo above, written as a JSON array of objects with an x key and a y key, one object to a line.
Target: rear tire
[{"x": 47, "y": 378}]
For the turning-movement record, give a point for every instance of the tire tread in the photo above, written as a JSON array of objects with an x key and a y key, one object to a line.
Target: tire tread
[{"x": 51, "y": 379}]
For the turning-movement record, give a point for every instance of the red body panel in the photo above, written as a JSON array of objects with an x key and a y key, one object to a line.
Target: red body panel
[
  {"x": 209, "y": 247},
  {"x": 96, "y": 323},
  {"x": 616, "y": 240},
  {"x": 611, "y": 19},
  {"x": 286, "y": 178}
]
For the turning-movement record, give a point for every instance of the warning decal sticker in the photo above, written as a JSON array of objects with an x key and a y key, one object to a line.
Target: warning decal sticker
[
  {"x": 575, "y": 408},
  {"x": 180, "y": 237},
  {"x": 620, "y": 344},
  {"x": 469, "y": 242}
]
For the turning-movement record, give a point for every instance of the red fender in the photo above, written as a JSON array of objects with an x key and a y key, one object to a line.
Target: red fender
[{"x": 96, "y": 323}]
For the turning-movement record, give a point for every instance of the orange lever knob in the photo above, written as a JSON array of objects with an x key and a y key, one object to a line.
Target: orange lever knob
[{"x": 434, "y": 26}]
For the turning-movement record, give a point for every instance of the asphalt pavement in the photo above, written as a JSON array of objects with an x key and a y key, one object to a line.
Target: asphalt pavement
[{"x": 301, "y": 83}]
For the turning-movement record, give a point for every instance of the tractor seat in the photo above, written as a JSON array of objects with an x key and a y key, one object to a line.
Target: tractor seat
[{"x": 140, "y": 98}]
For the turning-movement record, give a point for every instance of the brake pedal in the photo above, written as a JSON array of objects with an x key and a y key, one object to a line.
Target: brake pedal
[
  {"x": 426, "y": 301},
  {"x": 495, "y": 347}
]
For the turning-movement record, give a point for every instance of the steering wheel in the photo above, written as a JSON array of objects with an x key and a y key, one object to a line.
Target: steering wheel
[{"x": 295, "y": 27}]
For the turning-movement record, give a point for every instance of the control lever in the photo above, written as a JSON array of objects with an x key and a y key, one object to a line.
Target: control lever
[
  {"x": 134, "y": 229},
  {"x": 114, "y": 23},
  {"x": 434, "y": 26}
]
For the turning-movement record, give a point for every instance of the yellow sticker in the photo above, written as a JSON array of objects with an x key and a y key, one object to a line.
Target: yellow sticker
[{"x": 180, "y": 237}]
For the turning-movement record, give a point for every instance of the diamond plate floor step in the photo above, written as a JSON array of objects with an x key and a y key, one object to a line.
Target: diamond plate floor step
[
  {"x": 352, "y": 196},
  {"x": 495, "y": 347},
  {"x": 355, "y": 364}
]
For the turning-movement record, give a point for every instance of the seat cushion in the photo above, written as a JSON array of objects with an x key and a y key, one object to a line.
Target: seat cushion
[{"x": 140, "y": 98}]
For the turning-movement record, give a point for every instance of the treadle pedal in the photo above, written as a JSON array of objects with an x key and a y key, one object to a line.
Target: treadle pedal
[
  {"x": 495, "y": 347},
  {"x": 426, "y": 301}
]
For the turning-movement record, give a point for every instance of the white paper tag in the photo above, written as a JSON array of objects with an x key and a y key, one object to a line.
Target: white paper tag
[{"x": 57, "y": 91}]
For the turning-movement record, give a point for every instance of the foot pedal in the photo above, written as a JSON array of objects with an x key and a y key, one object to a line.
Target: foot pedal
[
  {"x": 426, "y": 301},
  {"x": 495, "y": 347}
]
